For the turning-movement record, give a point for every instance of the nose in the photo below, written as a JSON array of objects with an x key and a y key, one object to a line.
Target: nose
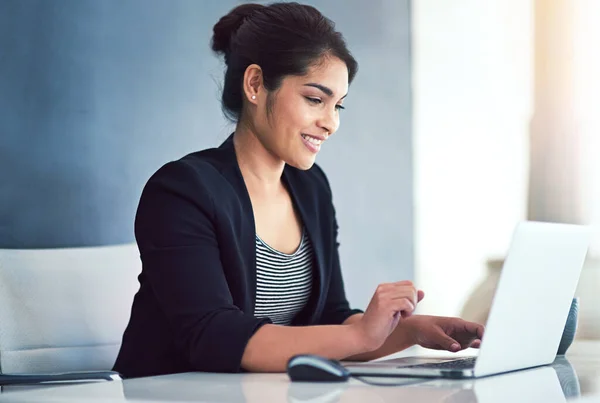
[{"x": 329, "y": 121}]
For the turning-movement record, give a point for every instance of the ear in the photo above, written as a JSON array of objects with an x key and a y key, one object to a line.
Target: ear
[{"x": 253, "y": 83}]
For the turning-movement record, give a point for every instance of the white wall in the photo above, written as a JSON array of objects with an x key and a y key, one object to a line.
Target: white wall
[
  {"x": 472, "y": 79},
  {"x": 587, "y": 99}
]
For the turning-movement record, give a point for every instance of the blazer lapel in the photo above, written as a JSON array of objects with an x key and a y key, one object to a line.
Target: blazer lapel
[
  {"x": 308, "y": 208},
  {"x": 247, "y": 227}
]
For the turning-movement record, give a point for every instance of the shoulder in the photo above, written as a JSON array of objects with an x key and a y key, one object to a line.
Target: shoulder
[
  {"x": 198, "y": 178},
  {"x": 184, "y": 196},
  {"x": 195, "y": 172}
]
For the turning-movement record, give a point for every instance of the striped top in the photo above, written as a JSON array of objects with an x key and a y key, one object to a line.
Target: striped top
[{"x": 283, "y": 281}]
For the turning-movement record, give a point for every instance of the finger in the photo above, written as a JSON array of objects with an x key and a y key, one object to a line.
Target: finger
[
  {"x": 388, "y": 298},
  {"x": 474, "y": 328},
  {"x": 397, "y": 290},
  {"x": 412, "y": 304},
  {"x": 407, "y": 306},
  {"x": 385, "y": 287},
  {"x": 404, "y": 306},
  {"x": 449, "y": 343},
  {"x": 420, "y": 295},
  {"x": 403, "y": 291},
  {"x": 399, "y": 294},
  {"x": 476, "y": 343}
]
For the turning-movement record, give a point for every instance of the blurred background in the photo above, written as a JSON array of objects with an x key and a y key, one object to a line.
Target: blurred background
[{"x": 466, "y": 117}]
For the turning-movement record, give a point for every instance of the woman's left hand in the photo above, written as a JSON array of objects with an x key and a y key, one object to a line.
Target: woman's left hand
[{"x": 443, "y": 333}]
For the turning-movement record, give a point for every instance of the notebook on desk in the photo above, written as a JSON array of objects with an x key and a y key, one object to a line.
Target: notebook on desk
[{"x": 528, "y": 312}]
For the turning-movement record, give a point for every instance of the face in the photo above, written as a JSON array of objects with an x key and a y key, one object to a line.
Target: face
[{"x": 305, "y": 112}]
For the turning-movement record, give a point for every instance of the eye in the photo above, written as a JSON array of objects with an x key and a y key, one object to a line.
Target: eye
[
  {"x": 312, "y": 100},
  {"x": 339, "y": 107}
]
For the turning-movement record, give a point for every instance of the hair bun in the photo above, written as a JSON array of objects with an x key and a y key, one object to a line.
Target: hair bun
[{"x": 229, "y": 24}]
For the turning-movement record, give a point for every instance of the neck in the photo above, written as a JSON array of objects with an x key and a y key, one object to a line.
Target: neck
[{"x": 261, "y": 169}]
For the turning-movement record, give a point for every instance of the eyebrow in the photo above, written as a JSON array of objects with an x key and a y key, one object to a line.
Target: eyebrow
[{"x": 325, "y": 90}]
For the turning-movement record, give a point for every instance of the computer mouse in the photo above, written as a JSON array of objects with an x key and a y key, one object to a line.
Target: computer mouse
[{"x": 313, "y": 368}]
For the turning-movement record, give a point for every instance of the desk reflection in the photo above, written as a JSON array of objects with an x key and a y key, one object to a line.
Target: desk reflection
[
  {"x": 567, "y": 376},
  {"x": 533, "y": 385},
  {"x": 544, "y": 384},
  {"x": 553, "y": 383}
]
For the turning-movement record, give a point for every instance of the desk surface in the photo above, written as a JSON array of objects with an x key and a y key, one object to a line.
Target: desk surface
[{"x": 575, "y": 377}]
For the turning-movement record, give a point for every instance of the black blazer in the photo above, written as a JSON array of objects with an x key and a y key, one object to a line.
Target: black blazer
[{"x": 195, "y": 230}]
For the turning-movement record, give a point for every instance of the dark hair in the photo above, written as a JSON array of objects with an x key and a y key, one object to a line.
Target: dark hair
[{"x": 282, "y": 38}]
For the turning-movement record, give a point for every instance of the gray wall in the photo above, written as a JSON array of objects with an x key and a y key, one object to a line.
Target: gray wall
[
  {"x": 96, "y": 95},
  {"x": 369, "y": 160}
]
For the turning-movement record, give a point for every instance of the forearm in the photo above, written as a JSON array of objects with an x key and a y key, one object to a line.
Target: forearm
[
  {"x": 272, "y": 346},
  {"x": 399, "y": 340}
]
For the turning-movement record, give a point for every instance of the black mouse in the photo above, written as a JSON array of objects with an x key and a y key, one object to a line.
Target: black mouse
[{"x": 313, "y": 368}]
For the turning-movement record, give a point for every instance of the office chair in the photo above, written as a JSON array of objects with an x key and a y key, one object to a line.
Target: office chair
[{"x": 63, "y": 312}]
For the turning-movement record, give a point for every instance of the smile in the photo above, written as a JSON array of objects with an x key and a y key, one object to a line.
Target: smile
[
  {"x": 312, "y": 139},
  {"x": 312, "y": 143}
]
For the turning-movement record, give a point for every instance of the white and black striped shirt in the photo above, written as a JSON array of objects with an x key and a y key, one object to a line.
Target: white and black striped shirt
[{"x": 283, "y": 281}]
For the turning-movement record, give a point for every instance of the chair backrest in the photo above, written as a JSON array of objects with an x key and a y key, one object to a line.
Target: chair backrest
[{"x": 65, "y": 310}]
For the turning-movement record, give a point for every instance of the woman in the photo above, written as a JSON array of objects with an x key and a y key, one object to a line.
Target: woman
[{"x": 238, "y": 243}]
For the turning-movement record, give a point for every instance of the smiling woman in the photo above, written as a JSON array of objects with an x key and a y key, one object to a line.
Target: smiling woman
[
  {"x": 293, "y": 120},
  {"x": 239, "y": 243}
]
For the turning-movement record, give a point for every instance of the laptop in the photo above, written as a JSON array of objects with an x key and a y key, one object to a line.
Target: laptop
[{"x": 528, "y": 312}]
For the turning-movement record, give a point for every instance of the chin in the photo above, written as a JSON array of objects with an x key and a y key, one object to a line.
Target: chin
[{"x": 303, "y": 165}]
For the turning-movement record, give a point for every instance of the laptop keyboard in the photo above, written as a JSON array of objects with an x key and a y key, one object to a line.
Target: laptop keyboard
[{"x": 465, "y": 363}]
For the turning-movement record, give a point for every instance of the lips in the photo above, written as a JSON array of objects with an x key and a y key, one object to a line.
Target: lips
[
  {"x": 316, "y": 140},
  {"x": 313, "y": 143}
]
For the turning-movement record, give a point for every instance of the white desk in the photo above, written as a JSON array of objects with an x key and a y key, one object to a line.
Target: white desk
[{"x": 578, "y": 375}]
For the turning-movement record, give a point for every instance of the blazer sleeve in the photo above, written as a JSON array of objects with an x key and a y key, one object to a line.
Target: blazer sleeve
[
  {"x": 180, "y": 255},
  {"x": 337, "y": 309}
]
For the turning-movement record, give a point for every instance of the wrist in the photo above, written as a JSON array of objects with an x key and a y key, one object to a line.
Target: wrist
[
  {"x": 405, "y": 333},
  {"x": 359, "y": 338}
]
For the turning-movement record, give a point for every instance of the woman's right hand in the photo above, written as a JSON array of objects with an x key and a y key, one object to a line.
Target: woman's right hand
[{"x": 390, "y": 303}]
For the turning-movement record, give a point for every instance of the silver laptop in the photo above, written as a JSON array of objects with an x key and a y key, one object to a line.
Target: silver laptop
[{"x": 529, "y": 309}]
